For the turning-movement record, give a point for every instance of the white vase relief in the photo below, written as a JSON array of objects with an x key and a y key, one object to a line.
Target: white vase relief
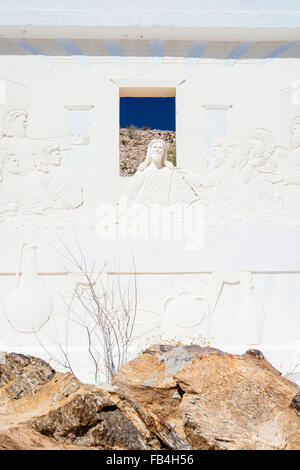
[
  {"x": 251, "y": 316},
  {"x": 29, "y": 305},
  {"x": 184, "y": 317}
]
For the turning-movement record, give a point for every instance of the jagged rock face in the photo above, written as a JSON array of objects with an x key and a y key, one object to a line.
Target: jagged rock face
[
  {"x": 41, "y": 409},
  {"x": 215, "y": 400},
  {"x": 174, "y": 398},
  {"x": 20, "y": 375}
]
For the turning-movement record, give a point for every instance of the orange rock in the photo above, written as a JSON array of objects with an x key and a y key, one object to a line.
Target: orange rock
[
  {"x": 48, "y": 410},
  {"x": 215, "y": 400}
]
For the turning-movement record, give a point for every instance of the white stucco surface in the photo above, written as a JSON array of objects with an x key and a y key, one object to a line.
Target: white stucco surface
[
  {"x": 243, "y": 277},
  {"x": 159, "y": 20}
]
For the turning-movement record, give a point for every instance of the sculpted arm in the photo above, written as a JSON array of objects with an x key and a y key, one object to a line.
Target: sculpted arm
[{"x": 65, "y": 143}]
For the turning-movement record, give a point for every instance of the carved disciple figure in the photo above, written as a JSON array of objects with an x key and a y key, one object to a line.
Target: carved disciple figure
[
  {"x": 15, "y": 195},
  {"x": 14, "y": 135},
  {"x": 230, "y": 190},
  {"x": 265, "y": 158},
  {"x": 265, "y": 155},
  {"x": 229, "y": 174},
  {"x": 54, "y": 181},
  {"x": 158, "y": 182},
  {"x": 10, "y": 182}
]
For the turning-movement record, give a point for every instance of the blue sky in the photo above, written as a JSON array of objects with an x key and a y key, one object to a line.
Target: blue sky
[
  {"x": 156, "y": 113},
  {"x": 175, "y": 13}
]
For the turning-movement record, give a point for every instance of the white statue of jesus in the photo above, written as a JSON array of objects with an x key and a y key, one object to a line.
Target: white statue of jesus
[{"x": 158, "y": 182}]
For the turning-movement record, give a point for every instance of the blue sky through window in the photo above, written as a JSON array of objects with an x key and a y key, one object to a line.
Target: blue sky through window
[{"x": 156, "y": 113}]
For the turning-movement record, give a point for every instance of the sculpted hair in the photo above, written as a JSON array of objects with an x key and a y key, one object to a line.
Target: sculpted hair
[
  {"x": 9, "y": 120},
  {"x": 47, "y": 149},
  {"x": 147, "y": 160},
  {"x": 242, "y": 149},
  {"x": 260, "y": 134},
  {"x": 296, "y": 119},
  {"x": 4, "y": 153},
  {"x": 43, "y": 157}
]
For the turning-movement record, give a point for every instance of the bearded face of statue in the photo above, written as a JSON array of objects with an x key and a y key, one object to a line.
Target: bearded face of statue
[
  {"x": 157, "y": 153},
  {"x": 296, "y": 133}
]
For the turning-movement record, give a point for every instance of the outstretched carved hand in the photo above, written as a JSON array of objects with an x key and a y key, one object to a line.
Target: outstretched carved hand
[{"x": 79, "y": 140}]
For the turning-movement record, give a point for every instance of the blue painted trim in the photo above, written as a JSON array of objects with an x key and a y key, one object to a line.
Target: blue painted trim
[
  {"x": 195, "y": 52},
  {"x": 71, "y": 48},
  {"x": 156, "y": 52},
  {"x": 237, "y": 52},
  {"x": 277, "y": 52},
  {"x": 115, "y": 50},
  {"x": 31, "y": 49}
]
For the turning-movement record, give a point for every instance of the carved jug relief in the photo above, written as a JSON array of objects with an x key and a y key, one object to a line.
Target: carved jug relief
[
  {"x": 250, "y": 316},
  {"x": 184, "y": 316},
  {"x": 29, "y": 305}
]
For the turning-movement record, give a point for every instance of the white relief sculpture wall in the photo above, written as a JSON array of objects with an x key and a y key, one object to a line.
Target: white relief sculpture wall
[
  {"x": 34, "y": 179},
  {"x": 241, "y": 286}
]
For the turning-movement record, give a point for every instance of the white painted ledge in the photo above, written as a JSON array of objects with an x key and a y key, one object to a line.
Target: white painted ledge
[{"x": 160, "y": 20}]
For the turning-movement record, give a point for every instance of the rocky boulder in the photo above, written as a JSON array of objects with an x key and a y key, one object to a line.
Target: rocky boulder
[
  {"x": 20, "y": 375},
  {"x": 176, "y": 398},
  {"x": 215, "y": 400},
  {"x": 42, "y": 409}
]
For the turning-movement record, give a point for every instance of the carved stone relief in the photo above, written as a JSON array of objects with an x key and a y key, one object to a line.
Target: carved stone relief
[
  {"x": 34, "y": 180},
  {"x": 29, "y": 304},
  {"x": 250, "y": 316},
  {"x": 254, "y": 179},
  {"x": 154, "y": 201},
  {"x": 251, "y": 180},
  {"x": 185, "y": 316},
  {"x": 194, "y": 304}
]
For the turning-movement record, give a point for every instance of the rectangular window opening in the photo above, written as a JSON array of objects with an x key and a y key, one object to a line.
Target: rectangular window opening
[
  {"x": 78, "y": 124},
  {"x": 145, "y": 114},
  {"x": 216, "y": 132}
]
